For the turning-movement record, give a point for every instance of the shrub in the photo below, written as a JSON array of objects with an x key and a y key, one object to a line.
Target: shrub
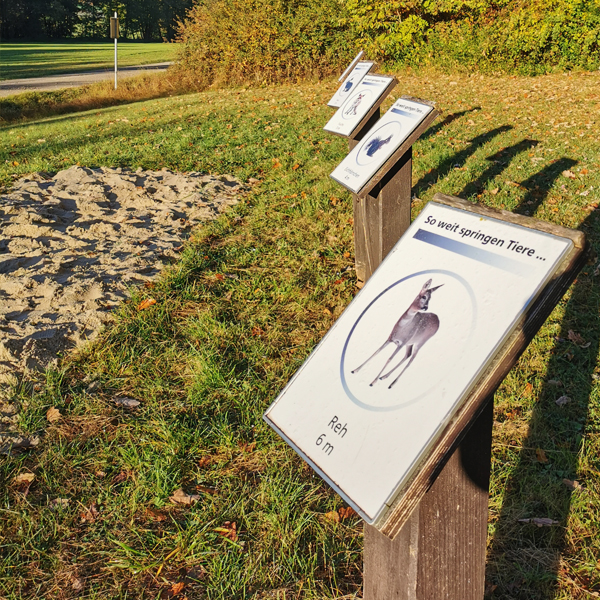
[{"x": 234, "y": 41}]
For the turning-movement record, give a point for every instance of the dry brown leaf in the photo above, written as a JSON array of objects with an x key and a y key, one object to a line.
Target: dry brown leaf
[
  {"x": 563, "y": 400},
  {"x": 220, "y": 277},
  {"x": 155, "y": 515},
  {"x": 77, "y": 584},
  {"x": 146, "y": 303},
  {"x": 53, "y": 415},
  {"x": 333, "y": 516},
  {"x": 346, "y": 513},
  {"x": 541, "y": 456},
  {"x": 575, "y": 338},
  {"x": 59, "y": 503},
  {"x": 204, "y": 461},
  {"x": 126, "y": 402},
  {"x": 229, "y": 530},
  {"x": 540, "y": 521},
  {"x": 494, "y": 191},
  {"x": 180, "y": 497},
  {"x": 569, "y": 174},
  {"x": 257, "y": 331},
  {"x": 247, "y": 446},
  {"x": 295, "y": 167},
  {"x": 24, "y": 479},
  {"x": 177, "y": 588},
  {"x": 572, "y": 485},
  {"x": 528, "y": 389},
  {"x": 90, "y": 514}
]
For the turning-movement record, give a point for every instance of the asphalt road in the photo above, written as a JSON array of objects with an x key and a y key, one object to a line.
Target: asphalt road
[{"x": 57, "y": 82}]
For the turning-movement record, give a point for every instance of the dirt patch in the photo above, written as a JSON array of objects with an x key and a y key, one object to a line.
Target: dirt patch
[{"x": 71, "y": 245}]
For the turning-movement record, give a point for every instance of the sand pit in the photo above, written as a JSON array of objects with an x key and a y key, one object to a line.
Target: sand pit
[{"x": 72, "y": 244}]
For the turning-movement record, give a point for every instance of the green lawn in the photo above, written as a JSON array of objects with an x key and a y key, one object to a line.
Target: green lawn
[
  {"x": 23, "y": 60},
  {"x": 250, "y": 297}
]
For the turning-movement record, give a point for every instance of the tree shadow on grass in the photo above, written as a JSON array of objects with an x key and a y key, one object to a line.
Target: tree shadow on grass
[
  {"x": 457, "y": 159},
  {"x": 524, "y": 559}
]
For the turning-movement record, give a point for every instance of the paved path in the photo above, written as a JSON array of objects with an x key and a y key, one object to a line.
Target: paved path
[{"x": 56, "y": 82}]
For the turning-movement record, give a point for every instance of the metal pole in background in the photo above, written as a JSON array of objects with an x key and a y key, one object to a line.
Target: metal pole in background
[{"x": 116, "y": 54}]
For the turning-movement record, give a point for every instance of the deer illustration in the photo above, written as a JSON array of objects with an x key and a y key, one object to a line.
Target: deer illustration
[{"x": 412, "y": 331}]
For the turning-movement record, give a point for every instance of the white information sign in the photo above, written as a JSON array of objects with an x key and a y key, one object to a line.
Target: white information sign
[
  {"x": 350, "y": 83},
  {"x": 377, "y": 392},
  {"x": 351, "y": 66},
  {"x": 384, "y": 138},
  {"x": 347, "y": 118}
]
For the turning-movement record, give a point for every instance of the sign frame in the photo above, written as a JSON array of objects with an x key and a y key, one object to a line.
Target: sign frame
[
  {"x": 351, "y": 66},
  {"x": 432, "y": 456},
  {"x": 392, "y": 82}
]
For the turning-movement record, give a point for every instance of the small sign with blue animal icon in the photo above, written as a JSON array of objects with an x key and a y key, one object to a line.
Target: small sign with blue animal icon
[
  {"x": 350, "y": 83},
  {"x": 380, "y": 143},
  {"x": 376, "y": 397},
  {"x": 355, "y": 110}
]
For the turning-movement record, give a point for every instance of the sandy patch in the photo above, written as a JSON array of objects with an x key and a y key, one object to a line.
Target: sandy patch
[{"x": 71, "y": 245}]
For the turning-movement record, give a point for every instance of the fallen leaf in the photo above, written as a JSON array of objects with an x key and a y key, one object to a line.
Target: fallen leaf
[
  {"x": 569, "y": 174},
  {"x": 180, "y": 497},
  {"x": 572, "y": 485},
  {"x": 575, "y": 338},
  {"x": 276, "y": 164},
  {"x": 77, "y": 584},
  {"x": 24, "y": 478},
  {"x": 346, "y": 254},
  {"x": 41, "y": 141},
  {"x": 204, "y": 461},
  {"x": 540, "y": 521},
  {"x": 23, "y": 482},
  {"x": 541, "y": 456},
  {"x": 126, "y": 402},
  {"x": 257, "y": 331},
  {"x": 220, "y": 277},
  {"x": 295, "y": 167},
  {"x": 346, "y": 513},
  {"x": 229, "y": 530},
  {"x": 177, "y": 588},
  {"x": 53, "y": 415},
  {"x": 155, "y": 515},
  {"x": 494, "y": 191},
  {"x": 100, "y": 474},
  {"x": 333, "y": 516},
  {"x": 229, "y": 125},
  {"x": 584, "y": 171},
  {"x": 528, "y": 389},
  {"x": 59, "y": 503},
  {"x": 122, "y": 476},
  {"x": 90, "y": 514},
  {"x": 206, "y": 490},
  {"x": 563, "y": 400},
  {"x": 146, "y": 303},
  {"x": 247, "y": 446},
  {"x": 327, "y": 312}
]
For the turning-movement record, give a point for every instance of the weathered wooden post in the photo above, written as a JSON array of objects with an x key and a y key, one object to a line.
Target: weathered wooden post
[{"x": 415, "y": 461}]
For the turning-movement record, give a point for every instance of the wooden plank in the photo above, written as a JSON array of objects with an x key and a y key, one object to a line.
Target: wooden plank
[
  {"x": 381, "y": 218},
  {"x": 440, "y": 551},
  {"x": 414, "y": 489}
]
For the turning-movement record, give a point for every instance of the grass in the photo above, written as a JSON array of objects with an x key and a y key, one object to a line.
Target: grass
[
  {"x": 22, "y": 60},
  {"x": 237, "y": 315}
]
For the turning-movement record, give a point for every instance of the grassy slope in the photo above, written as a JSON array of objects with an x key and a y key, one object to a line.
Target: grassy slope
[
  {"x": 236, "y": 316},
  {"x": 23, "y": 60}
]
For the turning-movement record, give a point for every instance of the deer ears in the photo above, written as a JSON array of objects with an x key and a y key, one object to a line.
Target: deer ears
[{"x": 427, "y": 284}]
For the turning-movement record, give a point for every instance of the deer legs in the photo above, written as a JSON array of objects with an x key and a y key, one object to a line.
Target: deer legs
[
  {"x": 372, "y": 356},
  {"x": 409, "y": 353}
]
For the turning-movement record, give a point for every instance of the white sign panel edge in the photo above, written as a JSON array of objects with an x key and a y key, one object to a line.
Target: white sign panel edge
[
  {"x": 351, "y": 66},
  {"x": 379, "y": 515},
  {"x": 360, "y": 70}
]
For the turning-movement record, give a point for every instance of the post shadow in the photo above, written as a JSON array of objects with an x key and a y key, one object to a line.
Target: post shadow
[
  {"x": 435, "y": 129},
  {"x": 432, "y": 176},
  {"x": 523, "y": 559},
  {"x": 498, "y": 162}
]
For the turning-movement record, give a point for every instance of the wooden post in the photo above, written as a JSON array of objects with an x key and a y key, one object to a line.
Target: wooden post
[{"x": 439, "y": 553}]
